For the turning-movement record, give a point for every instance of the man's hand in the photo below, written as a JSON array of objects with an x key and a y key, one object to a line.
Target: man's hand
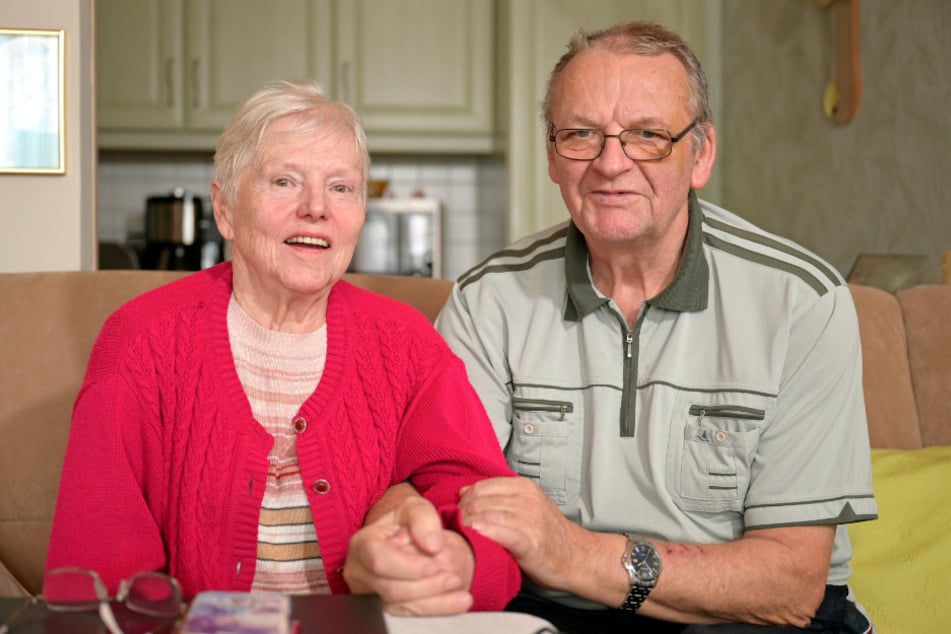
[
  {"x": 518, "y": 515},
  {"x": 774, "y": 576},
  {"x": 408, "y": 558}
]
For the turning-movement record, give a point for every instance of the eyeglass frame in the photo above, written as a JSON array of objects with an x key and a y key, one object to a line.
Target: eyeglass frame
[
  {"x": 102, "y": 602},
  {"x": 553, "y": 133}
]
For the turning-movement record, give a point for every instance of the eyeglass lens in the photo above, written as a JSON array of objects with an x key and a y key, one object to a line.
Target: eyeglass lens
[
  {"x": 637, "y": 144},
  {"x": 154, "y": 594},
  {"x": 67, "y": 589},
  {"x": 150, "y": 593}
]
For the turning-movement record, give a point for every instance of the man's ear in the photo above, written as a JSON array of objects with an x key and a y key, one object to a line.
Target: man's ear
[
  {"x": 552, "y": 170},
  {"x": 222, "y": 211},
  {"x": 703, "y": 163}
]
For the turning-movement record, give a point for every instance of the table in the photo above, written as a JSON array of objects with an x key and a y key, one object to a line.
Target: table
[
  {"x": 337, "y": 614},
  {"x": 469, "y": 623}
]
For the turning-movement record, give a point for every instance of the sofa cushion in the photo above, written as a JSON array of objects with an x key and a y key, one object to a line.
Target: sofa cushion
[
  {"x": 426, "y": 294},
  {"x": 886, "y": 378},
  {"x": 926, "y": 311},
  {"x": 901, "y": 561}
]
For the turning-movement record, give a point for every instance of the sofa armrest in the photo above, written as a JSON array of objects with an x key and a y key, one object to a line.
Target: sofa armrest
[
  {"x": 886, "y": 376},
  {"x": 9, "y": 585},
  {"x": 925, "y": 310}
]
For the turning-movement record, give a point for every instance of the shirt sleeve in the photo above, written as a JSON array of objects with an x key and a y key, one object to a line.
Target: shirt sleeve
[
  {"x": 487, "y": 366},
  {"x": 813, "y": 461}
]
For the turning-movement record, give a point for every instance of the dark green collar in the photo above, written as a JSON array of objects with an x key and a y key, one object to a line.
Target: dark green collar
[{"x": 688, "y": 291}]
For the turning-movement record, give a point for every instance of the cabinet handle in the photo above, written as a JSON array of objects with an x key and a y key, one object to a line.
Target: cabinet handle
[
  {"x": 196, "y": 100},
  {"x": 345, "y": 82},
  {"x": 170, "y": 81}
]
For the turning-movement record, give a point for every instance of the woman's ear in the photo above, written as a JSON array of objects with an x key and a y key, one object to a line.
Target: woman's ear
[{"x": 222, "y": 211}]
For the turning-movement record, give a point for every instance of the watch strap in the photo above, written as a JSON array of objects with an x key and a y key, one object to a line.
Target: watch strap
[{"x": 635, "y": 598}]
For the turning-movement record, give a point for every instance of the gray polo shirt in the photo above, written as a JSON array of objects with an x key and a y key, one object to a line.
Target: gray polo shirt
[{"x": 735, "y": 402}]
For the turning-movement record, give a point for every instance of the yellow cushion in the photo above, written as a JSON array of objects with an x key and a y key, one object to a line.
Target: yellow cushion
[{"x": 901, "y": 564}]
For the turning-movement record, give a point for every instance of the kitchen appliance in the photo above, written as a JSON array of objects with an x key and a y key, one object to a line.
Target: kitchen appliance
[
  {"x": 180, "y": 233},
  {"x": 401, "y": 236}
]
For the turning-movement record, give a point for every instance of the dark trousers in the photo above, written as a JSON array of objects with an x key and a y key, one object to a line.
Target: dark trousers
[{"x": 836, "y": 615}]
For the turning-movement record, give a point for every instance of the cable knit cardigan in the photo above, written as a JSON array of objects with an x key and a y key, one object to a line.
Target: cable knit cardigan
[{"x": 165, "y": 466}]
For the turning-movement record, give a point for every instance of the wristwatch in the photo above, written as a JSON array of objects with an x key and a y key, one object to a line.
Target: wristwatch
[{"x": 642, "y": 564}]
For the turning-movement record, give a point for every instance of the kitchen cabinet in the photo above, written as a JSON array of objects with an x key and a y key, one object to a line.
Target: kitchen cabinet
[
  {"x": 138, "y": 64},
  {"x": 171, "y": 72},
  {"x": 419, "y": 72}
]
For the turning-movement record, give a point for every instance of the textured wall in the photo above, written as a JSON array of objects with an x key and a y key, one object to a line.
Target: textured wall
[{"x": 879, "y": 184}]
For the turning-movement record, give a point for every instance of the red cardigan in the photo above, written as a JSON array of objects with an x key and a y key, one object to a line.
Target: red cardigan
[{"x": 165, "y": 467}]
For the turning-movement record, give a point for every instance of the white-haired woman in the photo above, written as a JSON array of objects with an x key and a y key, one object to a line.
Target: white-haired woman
[{"x": 235, "y": 427}]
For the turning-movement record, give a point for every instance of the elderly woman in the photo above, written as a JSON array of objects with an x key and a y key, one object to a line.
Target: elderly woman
[{"x": 235, "y": 427}]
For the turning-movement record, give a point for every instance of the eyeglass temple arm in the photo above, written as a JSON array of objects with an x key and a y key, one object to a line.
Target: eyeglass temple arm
[
  {"x": 674, "y": 139},
  {"x": 108, "y": 617},
  {"x": 17, "y": 614}
]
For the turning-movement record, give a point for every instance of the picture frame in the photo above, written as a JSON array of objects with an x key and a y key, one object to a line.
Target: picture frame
[{"x": 32, "y": 113}]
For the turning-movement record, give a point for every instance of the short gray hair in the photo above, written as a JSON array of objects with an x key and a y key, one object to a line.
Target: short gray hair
[
  {"x": 639, "y": 38},
  {"x": 240, "y": 143}
]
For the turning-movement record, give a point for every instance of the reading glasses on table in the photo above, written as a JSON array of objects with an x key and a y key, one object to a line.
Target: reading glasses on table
[{"x": 78, "y": 589}]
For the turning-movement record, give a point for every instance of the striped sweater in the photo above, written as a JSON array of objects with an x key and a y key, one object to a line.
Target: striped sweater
[{"x": 279, "y": 370}]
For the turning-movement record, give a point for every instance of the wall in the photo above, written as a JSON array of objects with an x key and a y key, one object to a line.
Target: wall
[
  {"x": 47, "y": 222},
  {"x": 876, "y": 185}
]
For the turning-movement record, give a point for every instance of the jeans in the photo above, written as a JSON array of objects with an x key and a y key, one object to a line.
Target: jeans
[{"x": 835, "y": 615}]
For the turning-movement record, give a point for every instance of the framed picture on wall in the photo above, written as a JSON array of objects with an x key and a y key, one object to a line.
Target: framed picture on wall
[{"x": 32, "y": 119}]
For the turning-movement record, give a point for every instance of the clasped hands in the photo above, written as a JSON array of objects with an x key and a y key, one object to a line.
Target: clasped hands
[
  {"x": 408, "y": 558},
  {"x": 420, "y": 568}
]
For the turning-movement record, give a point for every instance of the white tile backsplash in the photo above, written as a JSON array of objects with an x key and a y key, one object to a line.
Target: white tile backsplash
[{"x": 473, "y": 190}]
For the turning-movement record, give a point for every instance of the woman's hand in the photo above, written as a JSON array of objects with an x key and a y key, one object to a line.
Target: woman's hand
[{"x": 408, "y": 558}]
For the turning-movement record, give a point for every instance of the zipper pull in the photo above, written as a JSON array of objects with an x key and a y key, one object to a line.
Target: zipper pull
[
  {"x": 564, "y": 410},
  {"x": 630, "y": 340},
  {"x": 703, "y": 431}
]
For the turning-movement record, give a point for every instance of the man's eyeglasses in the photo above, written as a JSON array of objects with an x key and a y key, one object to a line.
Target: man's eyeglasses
[
  {"x": 77, "y": 589},
  {"x": 582, "y": 144}
]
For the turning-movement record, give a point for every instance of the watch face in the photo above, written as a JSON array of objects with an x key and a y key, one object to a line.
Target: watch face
[{"x": 646, "y": 562}]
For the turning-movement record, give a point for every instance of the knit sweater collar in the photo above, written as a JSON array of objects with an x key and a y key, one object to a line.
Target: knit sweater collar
[{"x": 338, "y": 332}]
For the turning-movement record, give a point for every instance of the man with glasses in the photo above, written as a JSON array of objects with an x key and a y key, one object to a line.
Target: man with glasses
[{"x": 679, "y": 390}]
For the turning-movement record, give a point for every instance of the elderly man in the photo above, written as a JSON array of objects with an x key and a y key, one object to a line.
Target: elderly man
[{"x": 679, "y": 390}]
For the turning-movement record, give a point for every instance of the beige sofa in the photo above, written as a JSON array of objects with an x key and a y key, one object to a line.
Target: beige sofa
[{"x": 50, "y": 320}]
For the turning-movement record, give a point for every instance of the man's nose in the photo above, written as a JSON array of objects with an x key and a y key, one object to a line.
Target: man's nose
[{"x": 613, "y": 157}]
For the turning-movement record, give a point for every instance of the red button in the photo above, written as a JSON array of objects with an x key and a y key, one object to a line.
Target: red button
[
  {"x": 300, "y": 424},
  {"x": 321, "y": 486}
]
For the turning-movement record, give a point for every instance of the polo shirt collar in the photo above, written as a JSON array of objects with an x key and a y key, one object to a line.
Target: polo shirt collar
[{"x": 687, "y": 292}]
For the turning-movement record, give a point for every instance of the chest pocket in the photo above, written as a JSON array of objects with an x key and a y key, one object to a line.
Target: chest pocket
[
  {"x": 710, "y": 456},
  {"x": 540, "y": 446}
]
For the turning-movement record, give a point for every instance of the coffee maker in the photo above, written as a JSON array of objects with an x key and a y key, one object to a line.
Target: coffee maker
[{"x": 180, "y": 233}]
